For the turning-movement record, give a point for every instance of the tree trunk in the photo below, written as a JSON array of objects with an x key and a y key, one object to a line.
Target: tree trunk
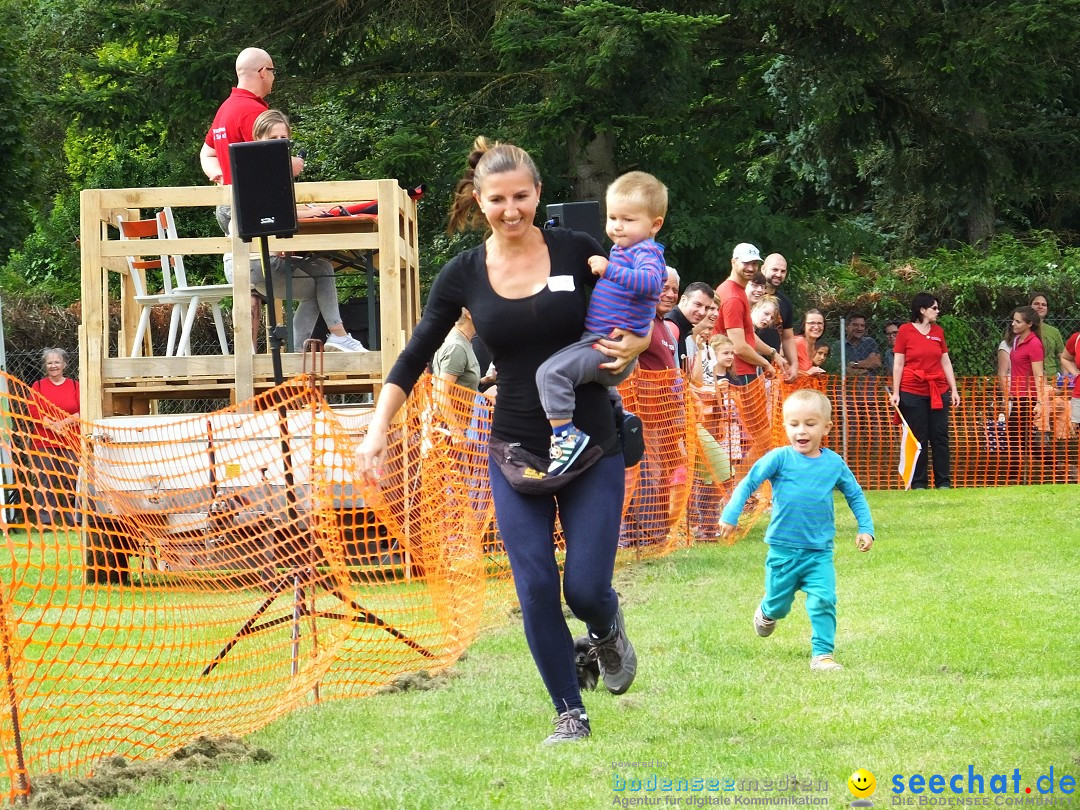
[
  {"x": 981, "y": 211},
  {"x": 592, "y": 161},
  {"x": 980, "y": 222}
]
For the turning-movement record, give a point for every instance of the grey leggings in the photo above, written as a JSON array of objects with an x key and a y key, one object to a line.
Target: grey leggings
[{"x": 313, "y": 285}]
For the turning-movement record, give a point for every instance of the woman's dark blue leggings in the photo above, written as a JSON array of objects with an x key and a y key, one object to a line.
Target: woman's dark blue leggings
[{"x": 590, "y": 508}]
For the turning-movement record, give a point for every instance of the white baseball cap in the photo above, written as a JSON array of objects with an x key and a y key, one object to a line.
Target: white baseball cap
[{"x": 746, "y": 253}]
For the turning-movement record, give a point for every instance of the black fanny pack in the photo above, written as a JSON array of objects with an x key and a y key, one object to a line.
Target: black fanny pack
[
  {"x": 631, "y": 436},
  {"x": 527, "y": 472}
]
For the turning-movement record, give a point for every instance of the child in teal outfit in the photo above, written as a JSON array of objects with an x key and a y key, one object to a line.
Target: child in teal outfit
[{"x": 802, "y": 529}]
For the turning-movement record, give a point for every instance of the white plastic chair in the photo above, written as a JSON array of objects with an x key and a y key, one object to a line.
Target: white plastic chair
[
  {"x": 190, "y": 295},
  {"x": 141, "y": 271}
]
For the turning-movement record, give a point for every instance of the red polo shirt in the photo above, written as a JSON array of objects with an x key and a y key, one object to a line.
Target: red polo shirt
[
  {"x": 661, "y": 352},
  {"x": 233, "y": 124},
  {"x": 922, "y": 358},
  {"x": 62, "y": 400},
  {"x": 1072, "y": 346},
  {"x": 1024, "y": 353}
]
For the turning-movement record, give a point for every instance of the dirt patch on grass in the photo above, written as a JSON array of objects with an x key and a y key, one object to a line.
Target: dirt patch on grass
[
  {"x": 421, "y": 681},
  {"x": 116, "y": 775}
]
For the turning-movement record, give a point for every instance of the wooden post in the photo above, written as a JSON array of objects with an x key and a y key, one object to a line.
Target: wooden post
[
  {"x": 242, "y": 339},
  {"x": 94, "y": 331},
  {"x": 389, "y": 276},
  {"x": 129, "y": 310}
]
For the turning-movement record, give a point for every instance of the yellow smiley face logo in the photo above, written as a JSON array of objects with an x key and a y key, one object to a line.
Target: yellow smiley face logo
[{"x": 861, "y": 784}]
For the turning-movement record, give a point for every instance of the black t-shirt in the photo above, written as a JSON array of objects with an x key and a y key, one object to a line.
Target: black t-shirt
[
  {"x": 686, "y": 328},
  {"x": 521, "y": 333},
  {"x": 773, "y": 336}
]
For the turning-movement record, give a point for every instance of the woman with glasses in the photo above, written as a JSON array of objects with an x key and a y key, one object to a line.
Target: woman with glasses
[
  {"x": 924, "y": 388},
  {"x": 806, "y": 344}
]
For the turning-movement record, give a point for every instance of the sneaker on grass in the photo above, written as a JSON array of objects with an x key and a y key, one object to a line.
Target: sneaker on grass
[
  {"x": 570, "y": 726},
  {"x": 764, "y": 627},
  {"x": 824, "y": 663},
  {"x": 344, "y": 343},
  {"x": 617, "y": 659},
  {"x": 565, "y": 449}
]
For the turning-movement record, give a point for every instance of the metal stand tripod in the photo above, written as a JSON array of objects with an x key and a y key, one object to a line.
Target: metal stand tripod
[{"x": 304, "y": 578}]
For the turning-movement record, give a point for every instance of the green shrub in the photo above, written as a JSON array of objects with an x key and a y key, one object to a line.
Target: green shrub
[{"x": 977, "y": 291}]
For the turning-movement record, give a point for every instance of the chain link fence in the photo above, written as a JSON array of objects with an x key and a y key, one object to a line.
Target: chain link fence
[{"x": 973, "y": 342}]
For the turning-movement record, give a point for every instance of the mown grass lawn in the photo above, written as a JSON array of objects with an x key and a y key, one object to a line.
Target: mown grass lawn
[{"x": 957, "y": 631}]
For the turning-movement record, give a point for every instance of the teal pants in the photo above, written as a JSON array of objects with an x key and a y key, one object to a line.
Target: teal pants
[{"x": 811, "y": 571}]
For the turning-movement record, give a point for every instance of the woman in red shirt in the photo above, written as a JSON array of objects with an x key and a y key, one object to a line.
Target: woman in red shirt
[
  {"x": 54, "y": 413},
  {"x": 1025, "y": 385},
  {"x": 924, "y": 388},
  {"x": 806, "y": 344}
]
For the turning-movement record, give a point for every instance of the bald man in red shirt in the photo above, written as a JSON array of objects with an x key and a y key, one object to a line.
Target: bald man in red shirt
[
  {"x": 233, "y": 122},
  {"x": 235, "y": 117}
]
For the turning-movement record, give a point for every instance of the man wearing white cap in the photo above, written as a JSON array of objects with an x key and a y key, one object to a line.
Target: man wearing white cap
[{"x": 751, "y": 353}]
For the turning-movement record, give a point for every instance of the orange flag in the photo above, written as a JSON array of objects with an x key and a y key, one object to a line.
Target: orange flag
[{"x": 910, "y": 448}]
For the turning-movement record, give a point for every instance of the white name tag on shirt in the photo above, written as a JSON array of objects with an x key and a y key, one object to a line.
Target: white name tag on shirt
[{"x": 561, "y": 283}]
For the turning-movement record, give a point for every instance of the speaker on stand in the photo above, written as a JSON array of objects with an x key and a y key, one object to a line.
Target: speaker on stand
[{"x": 264, "y": 205}]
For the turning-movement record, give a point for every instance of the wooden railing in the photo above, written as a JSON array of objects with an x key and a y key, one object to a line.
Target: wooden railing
[{"x": 117, "y": 384}]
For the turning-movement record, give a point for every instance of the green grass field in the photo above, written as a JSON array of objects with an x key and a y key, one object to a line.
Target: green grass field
[{"x": 957, "y": 631}]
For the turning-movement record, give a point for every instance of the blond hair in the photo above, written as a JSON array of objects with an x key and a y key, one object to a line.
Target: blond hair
[
  {"x": 814, "y": 398},
  {"x": 266, "y": 121},
  {"x": 642, "y": 190},
  {"x": 718, "y": 341},
  {"x": 768, "y": 300},
  {"x": 485, "y": 159}
]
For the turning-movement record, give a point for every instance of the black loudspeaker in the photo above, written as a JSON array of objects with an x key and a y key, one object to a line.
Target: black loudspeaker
[
  {"x": 577, "y": 216},
  {"x": 264, "y": 203}
]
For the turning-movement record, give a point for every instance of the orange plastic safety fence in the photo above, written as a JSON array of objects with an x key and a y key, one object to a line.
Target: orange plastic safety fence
[
  {"x": 657, "y": 488},
  {"x": 698, "y": 443},
  {"x": 735, "y": 426},
  {"x": 170, "y": 576},
  {"x": 991, "y": 442}
]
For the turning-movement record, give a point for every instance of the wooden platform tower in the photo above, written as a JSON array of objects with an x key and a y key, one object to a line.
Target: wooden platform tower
[{"x": 115, "y": 383}]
